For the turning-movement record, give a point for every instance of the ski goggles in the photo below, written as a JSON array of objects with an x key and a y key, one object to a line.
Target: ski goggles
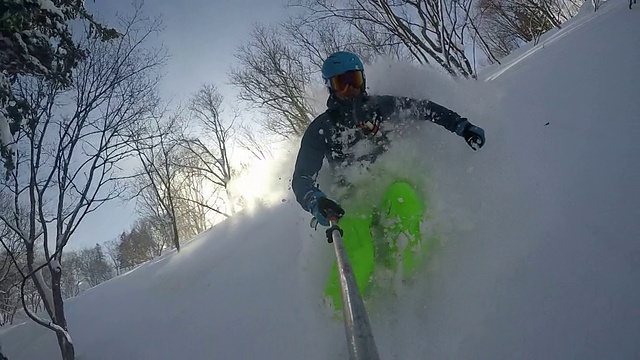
[{"x": 354, "y": 79}]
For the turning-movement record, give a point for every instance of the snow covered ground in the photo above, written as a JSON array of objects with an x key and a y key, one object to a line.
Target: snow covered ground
[{"x": 538, "y": 254}]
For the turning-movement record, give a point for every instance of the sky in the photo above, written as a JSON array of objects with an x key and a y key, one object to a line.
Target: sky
[
  {"x": 201, "y": 37},
  {"x": 533, "y": 248}
]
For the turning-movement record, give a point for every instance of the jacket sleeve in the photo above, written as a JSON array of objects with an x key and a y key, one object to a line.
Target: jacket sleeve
[
  {"x": 392, "y": 107},
  {"x": 308, "y": 163}
]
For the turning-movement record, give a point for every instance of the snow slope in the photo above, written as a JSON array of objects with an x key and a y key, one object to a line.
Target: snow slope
[{"x": 538, "y": 254}]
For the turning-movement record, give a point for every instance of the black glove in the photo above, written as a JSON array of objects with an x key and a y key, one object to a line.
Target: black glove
[
  {"x": 473, "y": 135},
  {"x": 321, "y": 207},
  {"x": 328, "y": 208}
]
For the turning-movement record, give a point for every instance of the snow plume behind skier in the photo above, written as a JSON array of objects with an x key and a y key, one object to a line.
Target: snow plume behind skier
[{"x": 351, "y": 134}]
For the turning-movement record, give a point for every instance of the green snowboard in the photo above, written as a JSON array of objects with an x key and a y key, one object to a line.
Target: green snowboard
[{"x": 400, "y": 215}]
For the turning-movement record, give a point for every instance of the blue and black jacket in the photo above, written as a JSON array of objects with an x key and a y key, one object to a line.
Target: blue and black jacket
[{"x": 336, "y": 131}]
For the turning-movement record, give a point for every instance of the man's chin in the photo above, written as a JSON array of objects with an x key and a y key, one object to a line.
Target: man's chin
[{"x": 351, "y": 95}]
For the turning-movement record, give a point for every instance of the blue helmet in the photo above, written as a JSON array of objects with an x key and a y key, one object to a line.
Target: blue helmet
[{"x": 339, "y": 63}]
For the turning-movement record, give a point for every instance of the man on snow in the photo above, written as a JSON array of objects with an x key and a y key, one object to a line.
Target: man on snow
[{"x": 352, "y": 116}]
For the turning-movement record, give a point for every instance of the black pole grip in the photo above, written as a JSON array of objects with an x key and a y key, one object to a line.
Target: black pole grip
[{"x": 329, "y": 232}]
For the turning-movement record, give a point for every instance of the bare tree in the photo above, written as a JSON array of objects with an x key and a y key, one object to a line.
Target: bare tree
[
  {"x": 497, "y": 28},
  {"x": 208, "y": 154},
  {"x": 196, "y": 196},
  {"x": 597, "y": 3},
  {"x": 182, "y": 174},
  {"x": 174, "y": 169},
  {"x": 156, "y": 148},
  {"x": 113, "y": 253},
  {"x": 508, "y": 19},
  {"x": 273, "y": 78},
  {"x": 9, "y": 289},
  {"x": 505, "y": 24},
  {"x": 317, "y": 38},
  {"x": 71, "y": 276},
  {"x": 554, "y": 11},
  {"x": 149, "y": 209},
  {"x": 68, "y": 153},
  {"x": 431, "y": 31},
  {"x": 250, "y": 141},
  {"x": 193, "y": 205},
  {"x": 10, "y": 270}
]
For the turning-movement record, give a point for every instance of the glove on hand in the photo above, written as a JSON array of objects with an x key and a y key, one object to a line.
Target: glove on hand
[
  {"x": 473, "y": 135},
  {"x": 321, "y": 207}
]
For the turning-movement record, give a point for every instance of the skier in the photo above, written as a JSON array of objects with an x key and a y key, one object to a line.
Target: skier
[{"x": 353, "y": 116}]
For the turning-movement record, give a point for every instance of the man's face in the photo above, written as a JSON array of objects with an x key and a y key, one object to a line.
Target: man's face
[
  {"x": 348, "y": 85},
  {"x": 348, "y": 93}
]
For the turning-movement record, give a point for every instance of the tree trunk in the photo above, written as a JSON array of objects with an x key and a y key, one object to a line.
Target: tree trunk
[
  {"x": 174, "y": 228},
  {"x": 232, "y": 208},
  {"x": 66, "y": 347},
  {"x": 34, "y": 277},
  {"x": 56, "y": 309}
]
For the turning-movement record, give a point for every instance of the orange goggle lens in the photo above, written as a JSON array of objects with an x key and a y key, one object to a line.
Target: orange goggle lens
[{"x": 354, "y": 79}]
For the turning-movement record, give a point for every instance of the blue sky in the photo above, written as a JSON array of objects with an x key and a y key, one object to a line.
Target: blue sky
[{"x": 201, "y": 37}]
